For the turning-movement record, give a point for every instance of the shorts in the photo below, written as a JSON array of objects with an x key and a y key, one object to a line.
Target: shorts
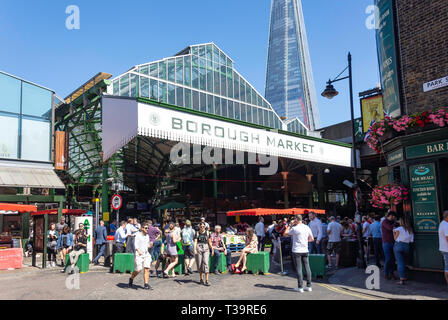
[
  {"x": 143, "y": 261},
  {"x": 189, "y": 252},
  {"x": 334, "y": 246},
  {"x": 445, "y": 257},
  {"x": 162, "y": 257}
]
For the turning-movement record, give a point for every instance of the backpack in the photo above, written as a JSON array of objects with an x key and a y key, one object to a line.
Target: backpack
[{"x": 187, "y": 235}]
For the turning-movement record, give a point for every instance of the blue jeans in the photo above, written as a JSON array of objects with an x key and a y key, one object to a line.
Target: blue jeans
[
  {"x": 388, "y": 248},
  {"x": 217, "y": 254},
  {"x": 401, "y": 252},
  {"x": 155, "y": 250},
  {"x": 445, "y": 258},
  {"x": 313, "y": 247},
  {"x": 100, "y": 249},
  {"x": 261, "y": 243}
]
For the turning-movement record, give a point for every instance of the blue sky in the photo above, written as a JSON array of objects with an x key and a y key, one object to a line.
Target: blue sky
[{"x": 116, "y": 35}]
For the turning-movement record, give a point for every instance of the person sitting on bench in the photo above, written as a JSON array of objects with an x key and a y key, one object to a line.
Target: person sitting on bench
[
  {"x": 251, "y": 247},
  {"x": 79, "y": 249}
]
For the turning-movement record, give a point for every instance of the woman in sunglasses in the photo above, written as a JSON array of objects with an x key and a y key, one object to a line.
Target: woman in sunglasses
[{"x": 202, "y": 247}]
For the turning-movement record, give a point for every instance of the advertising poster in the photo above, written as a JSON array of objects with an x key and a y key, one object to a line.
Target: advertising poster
[{"x": 372, "y": 110}]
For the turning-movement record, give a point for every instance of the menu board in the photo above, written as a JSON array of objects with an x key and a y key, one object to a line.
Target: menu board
[{"x": 424, "y": 197}]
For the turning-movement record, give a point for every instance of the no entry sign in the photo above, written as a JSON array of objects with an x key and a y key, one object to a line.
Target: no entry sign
[{"x": 117, "y": 201}]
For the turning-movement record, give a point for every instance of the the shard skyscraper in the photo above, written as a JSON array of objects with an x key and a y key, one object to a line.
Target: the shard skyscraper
[{"x": 289, "y": 77}]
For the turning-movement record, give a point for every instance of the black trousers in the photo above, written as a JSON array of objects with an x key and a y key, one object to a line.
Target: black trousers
[
  {"x": 378, "y": 250},
  {"x": 298, "y": 260}
]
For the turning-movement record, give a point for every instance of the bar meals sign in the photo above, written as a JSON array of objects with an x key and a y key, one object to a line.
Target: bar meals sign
[
  {"x": 435, "y": 84},
  {"x": 201, "y": 129}
]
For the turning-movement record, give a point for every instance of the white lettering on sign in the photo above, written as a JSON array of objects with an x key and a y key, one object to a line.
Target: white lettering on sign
[{"x": 435, "y": 84}]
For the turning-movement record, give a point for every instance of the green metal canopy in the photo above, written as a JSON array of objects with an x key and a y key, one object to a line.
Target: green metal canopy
[{"x": 171, "y": 205}]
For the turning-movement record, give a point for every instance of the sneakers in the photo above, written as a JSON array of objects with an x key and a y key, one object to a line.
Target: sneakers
[
  {"x": 131, "y": 281},
  {"x": 298, "y": 290},
  {"x": 309, "y": 289},
  {"x": 190, "y": 271},
  {"x": 207, "y": 284},
  {"x": 216, "y": 272},
  {"x": 147, "y": 287}
]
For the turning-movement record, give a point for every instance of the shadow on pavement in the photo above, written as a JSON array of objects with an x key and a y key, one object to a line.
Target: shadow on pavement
[{"x": 266, "y": 286}]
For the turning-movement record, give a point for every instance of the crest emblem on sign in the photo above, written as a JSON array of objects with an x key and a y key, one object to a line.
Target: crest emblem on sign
[{"x": 154, "y": 118}]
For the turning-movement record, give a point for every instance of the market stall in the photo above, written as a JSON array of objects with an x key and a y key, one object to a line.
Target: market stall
[
  {"x": 41, "y": 222},
  {"x": 12, "y": 233}
]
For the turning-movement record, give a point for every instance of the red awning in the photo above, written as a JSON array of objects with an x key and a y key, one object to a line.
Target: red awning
[
  {"x": 67, "y": 212},
  {"x": 19, "y": 208},
  {"x": 268, "y": 212}
]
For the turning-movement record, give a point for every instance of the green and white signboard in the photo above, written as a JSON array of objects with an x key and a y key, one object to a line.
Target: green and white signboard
[
  {"x": 387, "y": 57},
  {"x": 424, "y": 197}
]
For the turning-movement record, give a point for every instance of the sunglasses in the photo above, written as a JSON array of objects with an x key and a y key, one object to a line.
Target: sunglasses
[{"x": 145, "y": 228}]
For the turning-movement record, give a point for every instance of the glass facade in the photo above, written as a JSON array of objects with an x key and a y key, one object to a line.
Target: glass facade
[
  {"x": 203, "y": 78},
  {"x": 25, "y": 120},
  {"x": 289, "y": 80},
  {"x": 296, "y": 126}
]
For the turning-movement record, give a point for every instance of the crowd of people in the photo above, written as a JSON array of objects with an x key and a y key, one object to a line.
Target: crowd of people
[{"x": 388, "y": 237}]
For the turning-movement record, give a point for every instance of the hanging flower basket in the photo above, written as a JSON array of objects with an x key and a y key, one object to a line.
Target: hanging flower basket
[
  {"x": 389, "y": 128},
  {"x": 387, "y": 196}
]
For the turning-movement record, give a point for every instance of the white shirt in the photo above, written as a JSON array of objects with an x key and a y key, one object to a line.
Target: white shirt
[
  {"x": 366, "y": 230},
  {"x": 300, "y": 234},
  {"x": 316, "y": 227},
  {"x": 141, "y": 243},
  {"x": 130, "y": 229},
  {"x": 335, "y": 229},
  {"x": 259, "y": 229},
  {"x": 120, "y": 235},
  {"x": 443, "y": 233},
  {"x": 404, "y": 236}
]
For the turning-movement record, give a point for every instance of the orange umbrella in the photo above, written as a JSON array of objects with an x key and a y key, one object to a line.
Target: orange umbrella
[
  {"x": 267, "y": 212},
  {"x": 17, "y": 208}
]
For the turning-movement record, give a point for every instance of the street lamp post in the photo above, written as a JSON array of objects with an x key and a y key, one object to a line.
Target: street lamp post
[{"x": 330, "y": 92}]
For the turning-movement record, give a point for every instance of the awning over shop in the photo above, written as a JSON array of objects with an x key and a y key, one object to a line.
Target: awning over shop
[
  {"x": 29, "y": 178},
  {"x": 171, "y": 205},
  {"x": 268, "y": 212},
  {"x": 67, "y": 212},
  {"x": 12, "y": 208}
]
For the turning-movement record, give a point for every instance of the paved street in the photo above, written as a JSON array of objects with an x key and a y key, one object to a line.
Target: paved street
[{"x": 99, "y": 284}]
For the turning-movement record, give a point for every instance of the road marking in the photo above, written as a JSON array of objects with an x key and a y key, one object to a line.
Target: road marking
[{"x": 337, "y": 290}]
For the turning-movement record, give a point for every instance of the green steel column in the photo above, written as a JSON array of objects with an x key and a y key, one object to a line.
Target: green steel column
[{"x": 104, "y": 196}]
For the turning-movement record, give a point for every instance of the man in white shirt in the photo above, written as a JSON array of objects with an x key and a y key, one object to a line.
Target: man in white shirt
[
  {"x": 131, "y": 231},
  {"x": 443, "y": 241},
  {"x": 316, "y": 228},
  {"x": 120, "y": 238},
  {"x": 259, "y": 231},
  {"x": 301, "y": 235},
  {"x": 334, "y": 231},
  {"x": 207, "y": 226},
  {"x": 142, "y": 258}
]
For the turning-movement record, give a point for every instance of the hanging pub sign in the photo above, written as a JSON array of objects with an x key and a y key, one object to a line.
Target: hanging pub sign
[{"x": 424, "y": 197}]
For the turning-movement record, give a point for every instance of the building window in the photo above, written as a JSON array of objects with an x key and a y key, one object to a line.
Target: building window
[
  {"x": 171, "y": 70},
  {"x": 237, "y": 111},
  {"x": 210, "y": 106},
  {"x": 162, "y": 70},
  {"x": 163, "y": 92},
  {"x": 180, "y": 96},
  {"x": 249, "y": 114},
  {"x": 196, "y": 105},
  {"x": 209, "y": 76},
  {"x": 187, "y": 101},
  {"x": 223, "y": 81},
  {"x": 154, "y": 94},
  {"x": 203, "y": 102},
  {"x": 180, "y": 70},
  {"x": 124, "y": 85},
  {"x": 133, "y": 85},
  {"x": 9, "y": 136},
  {"x": 217, "y": 106},
  {"x": 224, "y": 107},
  {"x": 202, "y": 75},
  {"x": 36, "y": 101},
  {"x": 36, "y": 140},
  {"x": 195, "y": 73},
  {"x": 9, "y": 94},
  {"x": 187, "y": 71},
  {"x": 231, "y": 111},
  {"x": 154, "y": 70},
  {"x": 144, "y": 87},
  {"x": 171, "y": 94}
]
